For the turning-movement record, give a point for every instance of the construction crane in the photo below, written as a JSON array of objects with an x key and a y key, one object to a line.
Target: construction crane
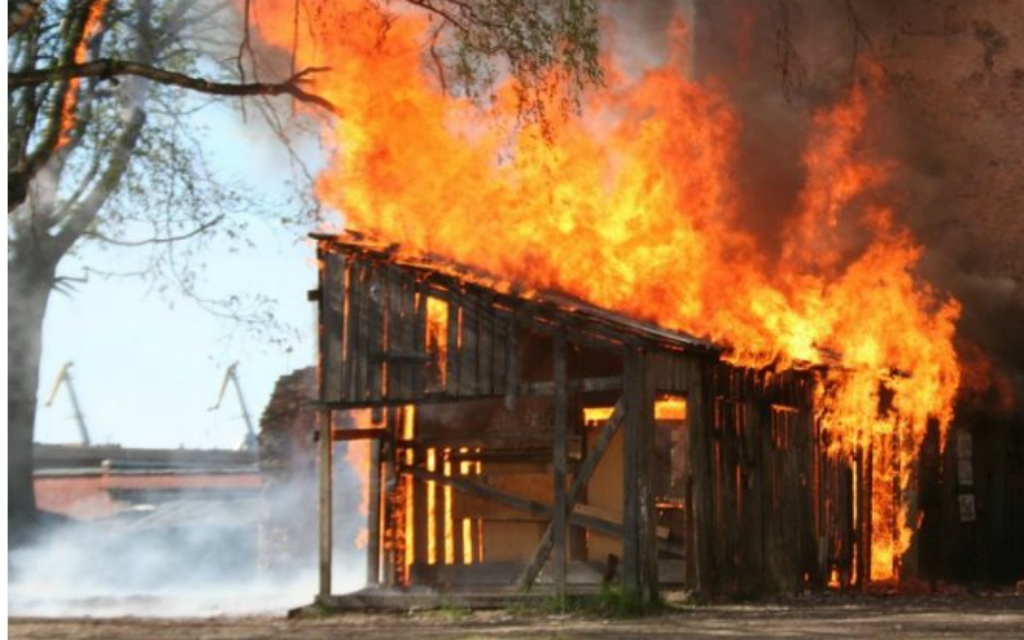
[
  {"x": 231, "y": 375},
  {"x": 64, "y": 377}
]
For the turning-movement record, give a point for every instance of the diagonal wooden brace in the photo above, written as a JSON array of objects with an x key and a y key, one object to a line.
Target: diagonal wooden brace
[{"x": 586, "y": 470}]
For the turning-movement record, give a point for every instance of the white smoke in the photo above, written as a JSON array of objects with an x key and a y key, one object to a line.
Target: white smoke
[{"x": 183, "y": 558}]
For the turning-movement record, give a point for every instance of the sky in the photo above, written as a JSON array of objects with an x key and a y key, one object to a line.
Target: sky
[
  {"x": 146, "y": 373},
  {"x": 148, "y": 366}
]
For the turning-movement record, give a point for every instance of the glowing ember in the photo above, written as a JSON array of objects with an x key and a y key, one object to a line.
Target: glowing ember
[
  {"x": 432, "y": 495},
  {"x": 437, "y": 335},
  {"x": 408, "y": 432},
  {"x": 670, "y": 408},
  {"x": 633, "y": 207},
  {"x": 597, "y": 415},
  {"x": 357, "y": 455}
]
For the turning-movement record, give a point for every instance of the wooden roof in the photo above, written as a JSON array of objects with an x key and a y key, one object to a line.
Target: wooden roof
[{"x": 554, "y": 302}]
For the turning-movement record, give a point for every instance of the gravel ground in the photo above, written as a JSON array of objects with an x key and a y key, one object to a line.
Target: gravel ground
[{"x": 961, "y": 616}]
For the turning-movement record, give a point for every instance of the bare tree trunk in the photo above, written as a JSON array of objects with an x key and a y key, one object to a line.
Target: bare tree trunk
[{"x": 30, "y": 280}]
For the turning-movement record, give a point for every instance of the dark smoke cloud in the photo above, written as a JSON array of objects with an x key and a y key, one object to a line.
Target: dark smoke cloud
[{"x": 945, "y": 117}]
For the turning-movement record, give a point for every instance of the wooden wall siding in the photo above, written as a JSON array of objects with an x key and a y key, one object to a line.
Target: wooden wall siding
[
  {"x": 376, "y": 311},
  {"x": 755, "y": 502},
  {"x": 373, "y": 323},
  {"x": 752, "y": 489},
  {"x": 332, "y": 328}
]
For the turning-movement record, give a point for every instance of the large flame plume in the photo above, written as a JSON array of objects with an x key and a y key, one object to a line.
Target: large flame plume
[{"x": 632, "y": 206}]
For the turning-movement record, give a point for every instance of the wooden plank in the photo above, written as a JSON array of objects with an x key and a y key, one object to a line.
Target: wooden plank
[
  {"x": 377, "y": 301},
  {"x": 457, "y": 538},
  {"x": 452, "y": 363},
  {"x": 583, "y": 475},
  {"x": 468, "y": 375},
  {"x": 373, "y": 518},
  {"x": 607, "y": 383},
  {"x": 512, "y": 364},
  {"x": 345, "y": 435},
  {"x": 663, "y": 533},
  {"x": 440, "y": 501},
  {"x": 532, "y": 507},
  {"x": 392, "y": 528},
  {"x": 419, "y": 343},
  {"x": 332, "y": 328},
  {"x": 362, "y": 345},
  {"x": 632, "y": 375},
  {"x": 699, "y": 411},
  {"x": 394, "y": 342},
  {"x": 499, "y": 351},
  {"x": 753, "y": 500},
  {"x": 485, "y": 340},
  {"x": 646, "y": 460},
  {"x": 325, "y": 505},
  {"x": 419, "y": 513},
  {"x": 558, "y": 553},
  {"x": 352, "y": 344},
  {"x": 475, "y": 488},
  {"x": 407, "y": 379},
  {"x": 475, "y": 540}
]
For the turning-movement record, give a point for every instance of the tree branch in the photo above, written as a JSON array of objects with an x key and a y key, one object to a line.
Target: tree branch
[
  {"x": 202, "y": 228},
  {"x": 108, "y": 68}
]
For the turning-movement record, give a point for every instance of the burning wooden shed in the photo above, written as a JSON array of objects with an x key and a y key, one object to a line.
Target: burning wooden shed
[{"x": 519, "y": 434}]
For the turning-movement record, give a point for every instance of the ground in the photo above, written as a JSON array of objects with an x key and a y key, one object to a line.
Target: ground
[{"x": 959, "y": 616}]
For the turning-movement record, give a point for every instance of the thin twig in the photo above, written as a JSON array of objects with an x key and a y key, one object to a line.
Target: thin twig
[{"x": 165, "y": 240}]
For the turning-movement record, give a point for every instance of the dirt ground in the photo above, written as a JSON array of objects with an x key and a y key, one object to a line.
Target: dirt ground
[{"x": 962, "y": 616}]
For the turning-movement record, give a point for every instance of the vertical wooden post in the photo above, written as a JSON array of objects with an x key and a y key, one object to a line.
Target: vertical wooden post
[
  {"x": 389, "y": 486},
  {"x": 558, "y": 558},
  {"x": 373, "y": 517},
  {"x": 421, "y": 534},
  {"x": 512, "y": 363},
  {"x": 325, "y": 511},
  {"x": 702, "y": 398},
  {"x": 639, "y": 541},
  {"x": 647, "y": 525},
  {"x": 630, "y": 509}
]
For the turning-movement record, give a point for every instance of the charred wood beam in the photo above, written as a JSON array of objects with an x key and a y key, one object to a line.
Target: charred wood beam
[
  {"x": 325, "y": 507},
  {"x": 610, "y": 383},
  {"x": 481, "y": 490},
  {"x": 583, "y": 385},
  {"x": 586, "y": 470},
  {"x": 344, "y": 435},
  {"x": 589, "y": 521},
  {"x": 559, "y": 560},
  {"x": 373, "y": 516},
  {"x": 395, "y": 355},
  {"x": 512, "y": 364}
]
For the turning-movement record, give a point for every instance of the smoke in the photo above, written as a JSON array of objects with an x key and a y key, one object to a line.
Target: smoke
[
  {"x": 940, "y": 120},
  {"x": 201, "y": 566},
  {"x": 196, "y": 555}
]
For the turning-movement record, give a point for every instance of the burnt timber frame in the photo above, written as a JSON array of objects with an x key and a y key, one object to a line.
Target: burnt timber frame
[{"x": 763, "y": 507}]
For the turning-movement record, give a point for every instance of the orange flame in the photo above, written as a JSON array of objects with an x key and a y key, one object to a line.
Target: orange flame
[
  {"x": 437, "y": 335},
  {"x": 67, "y": 115},
  {"x": 633, "y": 206},
  {"x": 357, "y": 455}
]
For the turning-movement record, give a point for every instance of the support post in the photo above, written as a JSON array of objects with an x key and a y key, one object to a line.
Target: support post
[
  {"x": 373, "y": 517},
  {"x": 558, "y": 519},
  {"x": 639, "y": 539},
  {"x": 580, "y": 479},
  {"x": 325, "y": 511}
]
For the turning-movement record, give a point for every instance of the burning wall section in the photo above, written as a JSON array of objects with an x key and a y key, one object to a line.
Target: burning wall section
[
  {"x": 462, "y": 371},
  {"x": 641, "y": 204}
]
